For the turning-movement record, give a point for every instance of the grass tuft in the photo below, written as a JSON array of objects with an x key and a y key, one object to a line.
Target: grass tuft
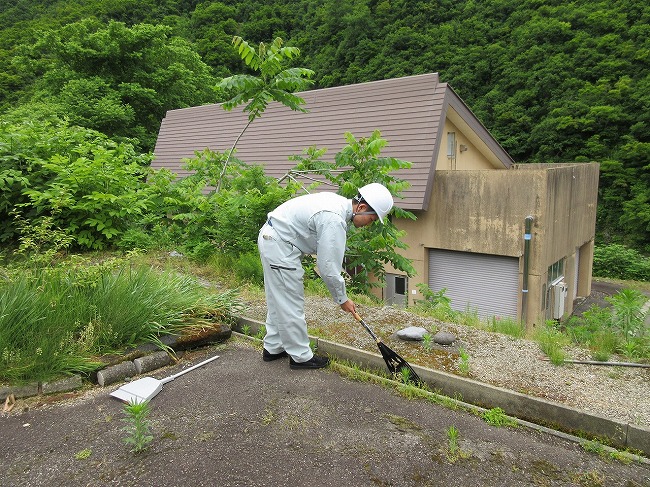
[{"x": 53, "y": 322}]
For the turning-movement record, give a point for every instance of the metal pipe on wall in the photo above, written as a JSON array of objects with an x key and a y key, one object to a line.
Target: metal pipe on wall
[{"x": 524, "y": 286}]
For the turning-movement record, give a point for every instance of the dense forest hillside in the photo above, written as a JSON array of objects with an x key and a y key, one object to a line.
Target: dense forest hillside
[{"x": 553, "y": 81}]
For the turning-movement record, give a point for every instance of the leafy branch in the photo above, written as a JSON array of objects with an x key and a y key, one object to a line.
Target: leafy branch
[{"x": 274, "y": 83}]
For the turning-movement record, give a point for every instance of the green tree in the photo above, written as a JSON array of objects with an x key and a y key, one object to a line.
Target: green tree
[
  {"x": 552, "y": 81},
  {"x": 227, "y": 221},
  {"x": 357, "y": 164},
  {"x": 212, "y": 28},
  {"x": 117, "y": 79},
  {"x": 274, "y": 83}
]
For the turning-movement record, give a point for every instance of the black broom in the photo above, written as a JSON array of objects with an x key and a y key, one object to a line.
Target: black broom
[{"x": 396, "y": 364}]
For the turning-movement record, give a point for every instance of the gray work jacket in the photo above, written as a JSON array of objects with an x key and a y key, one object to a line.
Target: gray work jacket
[{"x": 317, "y": 224}]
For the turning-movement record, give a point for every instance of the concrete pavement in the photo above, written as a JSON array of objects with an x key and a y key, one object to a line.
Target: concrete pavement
[{"x": 240, "y": 421}]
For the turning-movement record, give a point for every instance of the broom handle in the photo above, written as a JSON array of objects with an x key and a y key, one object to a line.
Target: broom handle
[
  {"x": 363, "y": 323},
  {"x": 189, "y": 369}
]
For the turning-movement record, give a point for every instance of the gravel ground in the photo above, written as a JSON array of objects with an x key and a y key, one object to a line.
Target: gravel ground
[{"x": 619, "y": 393}]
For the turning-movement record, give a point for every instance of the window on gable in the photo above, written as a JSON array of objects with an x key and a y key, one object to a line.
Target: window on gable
[{"x": 451, "y": 149}]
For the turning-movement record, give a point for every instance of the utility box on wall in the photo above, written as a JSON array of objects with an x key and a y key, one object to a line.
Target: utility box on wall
[
  {"x": 558, "y": 296},
  {"x": 396, "y": 290}
]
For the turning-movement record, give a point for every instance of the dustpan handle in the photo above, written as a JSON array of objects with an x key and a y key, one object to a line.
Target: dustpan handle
[
  {"x": 363, "y": 323},
  {"x": 189, "y": 369}
]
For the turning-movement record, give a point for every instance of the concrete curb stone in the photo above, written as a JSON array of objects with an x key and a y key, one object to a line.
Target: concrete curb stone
[
  {"x": 64, "y": 385},
  {"x": 35, "y": 388},
  {"x": 141, "y": 359},
  {"x": 26, "y": 390}
]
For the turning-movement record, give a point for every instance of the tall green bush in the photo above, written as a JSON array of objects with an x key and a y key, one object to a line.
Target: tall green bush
[
  {"x": 553, "y": 81},
  {"x": 628, "y": 319},
  {"x": 242, "y": 209},
  {"x": 360, "y": 162},
  {"x": 619, "y": 262},
  {"x": 88, "y": 185},
  {"x": 116, "y": 78},
  {"x": 620, "y": 328},
  {"x": 228, "y": 221}
]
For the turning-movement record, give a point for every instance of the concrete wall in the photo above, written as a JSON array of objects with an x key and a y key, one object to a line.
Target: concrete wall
[
  {"x": 484, "y": 211},
  {"x": 566, "y": 224}
]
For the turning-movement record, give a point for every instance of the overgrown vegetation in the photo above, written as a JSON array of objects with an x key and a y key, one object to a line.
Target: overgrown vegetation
[
  {"x": 58, "y": 320},
  {"x": 82, "y": 104},
  {"x": 619, "y": 329},
  {"x": 435, "y": 303},
  {"x": 619, "y": 262},
  {"x": 369, "y": 248},
  {"x": 69, "y": 188},
  {"x": 116, "y": 67},
  {"x": 463, "y": 361},
  {"x": 498, "y": 417},
  {"x": 552, "y": 342}
]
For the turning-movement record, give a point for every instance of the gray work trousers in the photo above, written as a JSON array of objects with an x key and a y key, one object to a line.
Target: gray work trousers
[{"x": 286, "y": 328}]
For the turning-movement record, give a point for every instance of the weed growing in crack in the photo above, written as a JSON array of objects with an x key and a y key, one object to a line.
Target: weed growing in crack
[
  {"x": 551, "y": 341},
  {"x": 137, "y": 428},
  {"x": 83, "y": 454},
  {"x": 404, "y": 375},
  {"x": 626, "y": 456},
  {"x": 261, "y": 332},
  {"x": 268, "y": 417},
  {"x": 590, "y": 479},
  {"x": 463, "y": 363},
  {"x": 620, "y": 456},
  {"x": 454, "y": 451},
  {"x": 498, "y": 417},
  {"x": 452, "y": 440}
]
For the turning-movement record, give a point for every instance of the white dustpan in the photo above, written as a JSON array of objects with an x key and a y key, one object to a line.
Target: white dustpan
[{"x": 144, "y": 389}]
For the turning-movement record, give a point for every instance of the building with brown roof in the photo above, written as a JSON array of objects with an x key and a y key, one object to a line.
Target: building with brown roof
[{"x": 471, "y": 200}]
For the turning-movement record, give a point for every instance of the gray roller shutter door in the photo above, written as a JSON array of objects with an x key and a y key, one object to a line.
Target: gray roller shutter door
[{"x": 486, "y": 283}]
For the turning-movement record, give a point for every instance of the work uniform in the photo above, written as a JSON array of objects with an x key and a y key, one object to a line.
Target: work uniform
[{"x": 309, "y": 224}]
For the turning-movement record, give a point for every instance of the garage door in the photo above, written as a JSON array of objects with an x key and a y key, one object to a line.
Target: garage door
[{"x": 487, "y": 284}]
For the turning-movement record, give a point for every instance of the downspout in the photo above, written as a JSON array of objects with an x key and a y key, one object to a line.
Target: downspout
[{"x": 524, "y": 287}]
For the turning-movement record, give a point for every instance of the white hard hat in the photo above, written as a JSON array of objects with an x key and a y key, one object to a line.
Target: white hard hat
[{"x": 378, "y": 197}]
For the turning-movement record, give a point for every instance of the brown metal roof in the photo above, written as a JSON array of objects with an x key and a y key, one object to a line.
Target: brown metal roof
[{"x": 409, "y": 112}]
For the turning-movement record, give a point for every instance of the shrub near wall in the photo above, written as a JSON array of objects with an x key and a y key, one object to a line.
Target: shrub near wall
[
  {"x": 227, "y": 221},
  {"x": 619, "y": 262}
]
